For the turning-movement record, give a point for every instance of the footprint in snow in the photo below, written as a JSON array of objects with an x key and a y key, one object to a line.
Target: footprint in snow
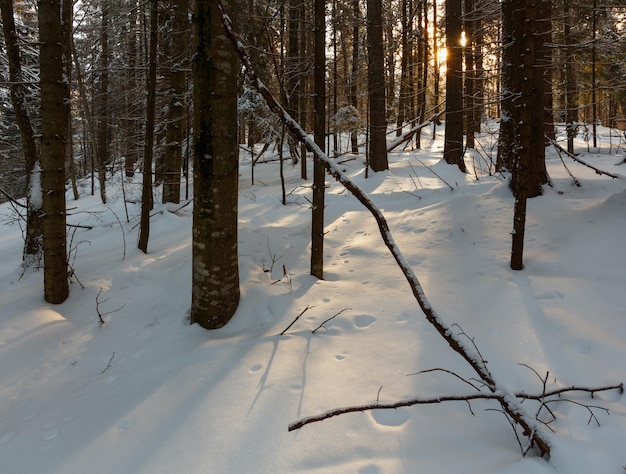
[
  {"x": 363, "y": 321},
  {"x": 550, "y": 295},
  {"x": 395, "y": 417},
  {"x": 49, "y": 434},
  {"x": 582, "y": 346}
]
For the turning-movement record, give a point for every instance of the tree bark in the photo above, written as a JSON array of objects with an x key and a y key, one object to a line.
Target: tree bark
[
  {"x": 376, "y": 87},
  {"x": 146, "y": 190},
  {"x": 177, "y": 103},
  {"x": 55, "y": 116},
  {"x": 319, "y": 131},
  {"x": 453, "y": 143},
  {"x": 215, "y": 273}
]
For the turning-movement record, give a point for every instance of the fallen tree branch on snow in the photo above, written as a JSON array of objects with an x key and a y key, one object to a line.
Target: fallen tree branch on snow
[
  {"x": 509, "y": 404},
  {"x": 578, "y": 160},
  {"x": 499, "y": 396}
]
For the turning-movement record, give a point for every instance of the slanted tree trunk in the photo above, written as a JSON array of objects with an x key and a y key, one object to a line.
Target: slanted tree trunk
[
  {"x": 177, "y": 102},
  {"x": 319, "y": 131},
  {"x": 215, "y": 271},
  {"x": 453, "y": 143},
  {"x": 33, "y": 237},
  {"x": 376, "y": 87},
  {"x": 55, "y": 116}
]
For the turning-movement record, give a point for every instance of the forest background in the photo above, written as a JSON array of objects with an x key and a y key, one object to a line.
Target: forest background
[{"x": 373, "y": 71}]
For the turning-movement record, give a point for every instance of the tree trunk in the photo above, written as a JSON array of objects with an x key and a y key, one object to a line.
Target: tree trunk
[
  {"x": 354, "y": 72},
  {"x": 33, "y": 237},
  {"x": 177, "y": 103},
  {"x": 319, "y": 129},
  {"x": 404, "y": 68},
  {"x": 571, "y": 100},
  {"x": 129, "y": 123},
  {"x": 376, "y": 87},
  {"x": 469, "y": 77},
  {"x": 102, "y": 111},
  {"x": 507, "y": 140},
  {"x": 453, "y": 144},
  {"x": 55, "y": 116},
  {"x": 146, "y": 191},
  {"x": 215, "y": 271}
]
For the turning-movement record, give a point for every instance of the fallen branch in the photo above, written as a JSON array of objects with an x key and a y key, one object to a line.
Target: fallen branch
[
  {"x": 578, "y": 160},
  {"x": 499, "y": 396},
  {"x": 534, "y": 433},
  {"x": 411, "y": 133}
]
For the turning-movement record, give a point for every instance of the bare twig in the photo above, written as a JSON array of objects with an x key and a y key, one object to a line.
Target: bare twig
[
  {"x": 101, "y": 314},
  {"x": 447, "y": 372},
  {"x": 435, "y": 173},
  {"x": 109, "y": 364},
  {"x": 297, "y": 317},
  {"x": 121, "y": 230},
  {"x": 329, "y": 319}
]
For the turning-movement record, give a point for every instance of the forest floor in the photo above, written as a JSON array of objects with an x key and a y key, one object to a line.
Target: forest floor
[{"x": 148, "y": 393}]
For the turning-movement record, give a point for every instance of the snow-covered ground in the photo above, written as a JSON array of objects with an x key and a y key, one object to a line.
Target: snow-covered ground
[{"x": 148, "y": 393}]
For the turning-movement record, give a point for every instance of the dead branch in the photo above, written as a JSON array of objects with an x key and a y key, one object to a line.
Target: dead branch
[
  {"x": 109, "y": 364},
  {"x": 576, "y": 182},
  {"x": 12, "y": 199},
  {"x": 122, "y": 230},
  {"x": 499, "y": 396},
  {"x": 101, "y": 315},
  {"x": 411, "y": 133},
  {"x": 430, "y": 168},
  {"x": 387, "y": 406},
  {"x": 296, "y": 318},
  {"x": 329, "y": 319},
  {"x": 578, "y": 160}
]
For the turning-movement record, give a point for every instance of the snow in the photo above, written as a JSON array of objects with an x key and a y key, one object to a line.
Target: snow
[{"x": 147, "y": 393}]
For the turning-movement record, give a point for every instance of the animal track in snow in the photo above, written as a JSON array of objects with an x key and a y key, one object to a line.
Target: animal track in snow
[{"x": 363, "y": 321}]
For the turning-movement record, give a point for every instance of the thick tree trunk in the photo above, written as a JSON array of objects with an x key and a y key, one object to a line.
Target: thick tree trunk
[
  {"x": 215, "y": 273},
  {"x": 453, "y": 144},
  {"x": 319, "y": 129},
  {"x": 376, "y": 87},
  {"x": 55, "y": 116},
  {"x": 508, "y": 142}
]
